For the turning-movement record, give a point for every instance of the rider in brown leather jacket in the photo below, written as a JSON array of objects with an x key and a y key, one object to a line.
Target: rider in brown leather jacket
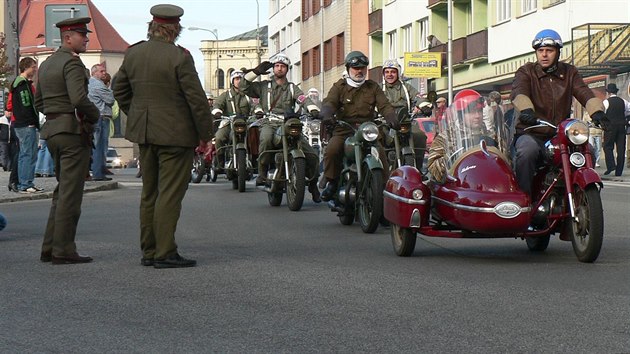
[{"x": 544, "y": 90}]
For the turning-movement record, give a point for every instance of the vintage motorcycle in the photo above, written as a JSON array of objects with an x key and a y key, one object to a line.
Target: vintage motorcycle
[
  {"x": 360, "y": 191},
  {"x": 312, "y": 132},
  {"x": 237, "y": 164},
  {"x": 474, "y": 193},
  {"x": 202, "y": 160},
  {"x": 399, "y": 147},
  {"x": 287, "y": 172}
]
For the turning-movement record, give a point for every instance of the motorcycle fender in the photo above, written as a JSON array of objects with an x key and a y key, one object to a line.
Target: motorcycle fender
[
  {"x": 586, "y": 176},
  {"x": 240, "y": 146},
  {"x": 373, "y": 162},
  {"x": 406, "y": 150},
  {"x": 296, "y": 153}
]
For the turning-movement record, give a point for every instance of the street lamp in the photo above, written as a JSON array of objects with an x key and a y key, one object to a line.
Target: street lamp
[
  {"x": 232, "y": 55},
  {"x": 215, "y": 32},
  {"x": 258, "y": 31}
]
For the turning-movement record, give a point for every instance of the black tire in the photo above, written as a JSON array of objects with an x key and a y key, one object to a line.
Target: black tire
[
  {"x": 234, "y": 183},
  {"x": 296, "y": 183},
  {"x": 241, "y": 163},
  {"x": 409, "y": 160},
  {"x": 537, "y": 244},
  {"x": 275, "y": 199},
  {"x": 196, "y": 174},
  {"x": 213, "y": 169},
  {"x": 587, "y": 233},
  {"x": 347, "y": 218},
  {"x": 403, "y": 240},
  {"x": 370, "y": 202}
]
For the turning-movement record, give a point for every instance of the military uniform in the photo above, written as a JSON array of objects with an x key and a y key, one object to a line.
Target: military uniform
[
  {"x": 230, "y": 103},
  {"x": 158, "y": 88},
  {"x": 62, "y": 90},
  {"x": 402, "y": 95},
  {"x": 354, "y": 105},
  {"x": 278, "y": 99}
]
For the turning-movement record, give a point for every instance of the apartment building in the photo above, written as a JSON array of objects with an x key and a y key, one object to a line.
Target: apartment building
[{"x": 285, "y": 34}]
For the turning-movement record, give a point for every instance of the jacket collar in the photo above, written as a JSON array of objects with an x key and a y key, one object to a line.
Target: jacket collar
[{"x": 561, "y": 72}]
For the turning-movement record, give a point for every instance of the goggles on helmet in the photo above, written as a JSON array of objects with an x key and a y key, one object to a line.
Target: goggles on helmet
[
  {"x": 359, "y": 61},
  {"x": 546, "y": 42}
]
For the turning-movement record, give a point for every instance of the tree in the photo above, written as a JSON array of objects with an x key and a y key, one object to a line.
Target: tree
[{"x": 6, "y": 70}]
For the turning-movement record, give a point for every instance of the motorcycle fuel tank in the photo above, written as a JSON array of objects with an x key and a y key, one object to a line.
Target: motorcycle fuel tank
[
  {"x": 482, "y": 196},
  {"x": 406, "y": 200}
]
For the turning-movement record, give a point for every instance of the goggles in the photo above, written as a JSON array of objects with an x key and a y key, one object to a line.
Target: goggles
[
  {"x": 546, "y": 42},
  {"x": 358, "y": 62}
]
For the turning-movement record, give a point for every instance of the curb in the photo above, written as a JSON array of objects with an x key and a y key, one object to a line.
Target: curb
[{"x": 48, "y": 195}]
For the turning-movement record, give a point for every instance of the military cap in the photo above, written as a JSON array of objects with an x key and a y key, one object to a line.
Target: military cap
[
  {"x": 78, "y": 24},
  {"x": 165, "y": 13}
]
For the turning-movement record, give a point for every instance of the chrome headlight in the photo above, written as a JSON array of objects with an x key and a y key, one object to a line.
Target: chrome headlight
[
  {"x": 577, "y": 159},
  {"x": 417, "y": 194},
  {"x": 369, "y": 132},
  {"x": 314, "y": 127},
  {"x": 577, "y": 132}
]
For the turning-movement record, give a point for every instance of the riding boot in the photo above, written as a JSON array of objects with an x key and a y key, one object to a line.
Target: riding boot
[
  {"x": 262, "y": 175},
  {"x": 312, "y": 187},
  {"x": 330, "y": 190}
]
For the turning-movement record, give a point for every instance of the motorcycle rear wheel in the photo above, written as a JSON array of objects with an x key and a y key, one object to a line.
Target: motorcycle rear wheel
[
  {"x": 370, "y": 205},
  {"x": 241, "y": 163},
  {"x": 403, "y": 240},
  {"x": 296, "y": 182},
  {"x": 196, "y": 174},
  {"x": 587, "y": 233}
]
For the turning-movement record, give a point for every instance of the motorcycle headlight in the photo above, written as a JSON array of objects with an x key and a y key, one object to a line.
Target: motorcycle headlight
[
  {"x": 314, "y": 126},
  {"x": 369, "y": 132},
  {"x": 295, "y": 129},
  {"x": 404, "y": 128},
  {"x": 239, "y": 128},
  {"x": 577, "y": 132}
]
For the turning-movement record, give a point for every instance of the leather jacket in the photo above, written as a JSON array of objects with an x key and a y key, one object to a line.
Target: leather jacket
[{"x": 550, "y": 95}]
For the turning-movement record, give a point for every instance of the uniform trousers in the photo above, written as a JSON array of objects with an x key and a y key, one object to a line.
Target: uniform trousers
[
  {"x": 71, "y": 159},
  {"x": 165, "y": 177}
]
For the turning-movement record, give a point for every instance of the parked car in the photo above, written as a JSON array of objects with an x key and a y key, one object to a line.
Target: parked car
[{"x": 113, "y": 159}]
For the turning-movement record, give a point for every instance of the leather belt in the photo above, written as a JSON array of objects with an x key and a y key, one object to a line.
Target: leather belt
[{"x": 53, "y": 116}]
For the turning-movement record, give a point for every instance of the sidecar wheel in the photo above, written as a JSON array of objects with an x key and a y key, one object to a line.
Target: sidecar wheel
[
  {"x": 371, "y": 202},
  {"x": 537, "y": 244},
  {"x": 241, "y": 163},
  {"x": 296, "y": 183},
  {"x": 275, "y": 199},
  {"x": 403, "y": 240},
  {"x": 587, "y": 232},
  {"x": 196, "y": 174}
]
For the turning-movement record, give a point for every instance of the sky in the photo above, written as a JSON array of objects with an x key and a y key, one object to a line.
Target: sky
[{"x": 229, "y": 17}]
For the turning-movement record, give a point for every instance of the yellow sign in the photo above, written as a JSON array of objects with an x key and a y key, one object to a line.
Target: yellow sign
[{"x": 423, "y": 64}]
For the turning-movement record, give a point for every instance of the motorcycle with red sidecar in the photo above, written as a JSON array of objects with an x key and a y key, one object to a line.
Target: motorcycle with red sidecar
[{"x": 473, "y": 192}]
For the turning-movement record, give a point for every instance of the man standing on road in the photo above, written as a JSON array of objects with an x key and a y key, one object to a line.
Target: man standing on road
[
  {"x": 618, "y": 112},
  {"x": 62, "y": 95},
  {"x": 158, "y": 88},
  {"x": 103, "y": 97}
]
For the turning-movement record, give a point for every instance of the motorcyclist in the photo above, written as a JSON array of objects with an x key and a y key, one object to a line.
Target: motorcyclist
[
  {"x": 230, "y": 103},
  {"x": 461, "y": 129},
  {"x": 544, "y": 90},
  {"x": 279, "y": 96},
  {"x": 352, "y": 99},
  {"x": 403, "y": 95},
  {"x": 313, "y": 94}
]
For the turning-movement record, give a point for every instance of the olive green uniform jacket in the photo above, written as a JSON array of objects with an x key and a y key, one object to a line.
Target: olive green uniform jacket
[
  {"x": 162, "y": 97},
  {"x": 275, "y": 98},
  {"x": 397, "y": 95},
  {"x": 356, "y": 105},
  {"x": 233, "y": 102}
]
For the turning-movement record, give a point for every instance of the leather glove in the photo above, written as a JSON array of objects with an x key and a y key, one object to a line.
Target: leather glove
[
  {"x": 262, "y": 67},
  {"x": 217, "y": 115},
  {"x": 315, "y": 114},
  {"x": 528, "y": 117},
  {"x": 329, "y": 121},
  {"x": 598, "y": 117},
  {"x": 260, "y": 114},
  {"x": 393, "y": 122}
]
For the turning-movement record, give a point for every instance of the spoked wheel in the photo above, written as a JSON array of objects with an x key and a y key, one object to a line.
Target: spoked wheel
[
  {"x": 403, "y": 240},
  {"x": 370, "y": 200},
  {"x": 587, "y": 230},
  {"x": 196, "y": 174},
  {"x": 296, "y": 183},
  {"x": 537, "y": 244},
  {"x": 214, "y": 167},
  {"x": 241, "y": 165}
]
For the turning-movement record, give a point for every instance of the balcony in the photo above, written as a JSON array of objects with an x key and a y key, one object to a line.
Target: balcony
[
  {"x": 600, "y": 48},
  {"x": 466, "y": 50},
  {"x": 375, "y": 24}
]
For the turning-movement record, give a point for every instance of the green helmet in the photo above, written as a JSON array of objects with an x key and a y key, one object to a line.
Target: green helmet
[{"x": 356, "y": 59}]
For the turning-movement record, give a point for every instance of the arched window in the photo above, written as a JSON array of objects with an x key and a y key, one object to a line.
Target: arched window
[{"x": 220, "y": 79}]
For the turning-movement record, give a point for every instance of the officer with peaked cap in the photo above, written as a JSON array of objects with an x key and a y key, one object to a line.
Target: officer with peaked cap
[
  {"x": 158, "y": 88},
  {"x": 62, "y": 95}
]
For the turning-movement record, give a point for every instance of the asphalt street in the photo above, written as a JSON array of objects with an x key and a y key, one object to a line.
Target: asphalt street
[{"x": 271, "y": 280}]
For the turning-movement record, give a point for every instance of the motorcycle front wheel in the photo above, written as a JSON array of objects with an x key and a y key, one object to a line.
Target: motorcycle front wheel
[
  {"x": 241, "y": 163},
  {"x": 587, "y": 230},
  {"x": 196, "y": 174},
  {"x": 403, "y": 240},
  {"x": 213, "y": 169},
  {"x": 296, "y": 183},
  {"x": 370, "y": 201},
  {"x": 275, "y": 198}
]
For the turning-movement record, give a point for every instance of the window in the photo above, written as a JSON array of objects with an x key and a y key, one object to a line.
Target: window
[
  {"x": 328, "y": 55},
  {"x": 275, "y": 6},
  {"x": 220, "y": 79},
  {"x": 407, "y": 45},
  {"x": 392, "y": 40},
  {"x": 339, "y": 56},
  {"x": 296, "y": 30},
  {"x": 305, "y": 67},
  {"x": 316, "y": 6},
  {"x": 503, "y": 10},
  {"x": 423, "y": 33},
  {"x": 528, "y": 5},
  {"x": 274, "y": 45},
  {"x": 283, "y": 38},
  {"x": 289, "y": 39},
  {"x": 315, "y": 60}
]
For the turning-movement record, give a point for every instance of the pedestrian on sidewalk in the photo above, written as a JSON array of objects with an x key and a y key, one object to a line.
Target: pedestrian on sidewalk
[
  {"x": 617, "y": 109},
  {"x": 103, "y": 98},
  {"x": 62, "y": 95}
]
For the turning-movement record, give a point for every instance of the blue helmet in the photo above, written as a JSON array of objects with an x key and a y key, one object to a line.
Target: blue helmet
[{"x": 547, "y": 38}]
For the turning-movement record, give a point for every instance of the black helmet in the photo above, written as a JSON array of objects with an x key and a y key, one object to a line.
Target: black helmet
[{"x": 356, "y": 59}]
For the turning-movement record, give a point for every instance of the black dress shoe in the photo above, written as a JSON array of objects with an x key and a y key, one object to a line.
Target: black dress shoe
[
  {"x": 329, "y": 191},
  {"x": 45, "y": 257},
  {"x": 312, "y": 187},
  {"x": 608, "y": 172},
  {"x": 71, "y": 259},
  {"x": 102, "y": 179},
  {"x": 13, "y": 187},
  {"x": 174, "y": 261},
  {"x": 147, "y": 262},
  {"x": 260, "y": 180}
]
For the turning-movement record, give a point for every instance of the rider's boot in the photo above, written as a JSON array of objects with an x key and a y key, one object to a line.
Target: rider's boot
[
  {"x": 329, "y": 191},
  {"x": 312, "y": 187},
  {"x": 262, "y": 176}
]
